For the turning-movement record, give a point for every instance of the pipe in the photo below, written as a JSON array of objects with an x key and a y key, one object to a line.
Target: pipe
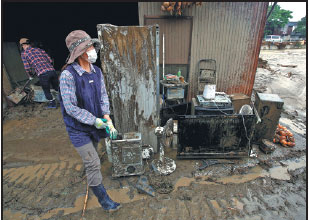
[
  {"x": 163, "y": 57},
  {"x": 158, "y": 72}
]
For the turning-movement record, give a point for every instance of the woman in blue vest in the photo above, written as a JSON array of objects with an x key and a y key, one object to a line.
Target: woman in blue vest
[{"x": 85, "y": 108}]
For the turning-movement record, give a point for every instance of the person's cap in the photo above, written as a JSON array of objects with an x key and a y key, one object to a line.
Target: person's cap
[
  {"x": 24, "y": 41},
  {"x": 78, "y": 42}
]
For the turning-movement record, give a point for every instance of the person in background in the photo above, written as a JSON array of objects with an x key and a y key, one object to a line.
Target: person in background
[
  {"x": 85, "y": 108},
  {"x": 38, "y": 60}
]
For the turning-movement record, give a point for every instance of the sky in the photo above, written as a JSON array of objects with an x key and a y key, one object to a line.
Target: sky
[{"x": 298, "y": 9}]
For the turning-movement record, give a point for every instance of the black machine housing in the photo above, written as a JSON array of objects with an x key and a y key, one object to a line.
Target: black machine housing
[{"x": 215, "y": 136}]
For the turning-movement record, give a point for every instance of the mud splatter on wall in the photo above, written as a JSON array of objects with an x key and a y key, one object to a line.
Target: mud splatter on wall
[{"x": 128, "y": 58}]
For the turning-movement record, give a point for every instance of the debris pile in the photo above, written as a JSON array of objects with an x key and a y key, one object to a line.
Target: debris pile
[{"x": 161, "y": 184}]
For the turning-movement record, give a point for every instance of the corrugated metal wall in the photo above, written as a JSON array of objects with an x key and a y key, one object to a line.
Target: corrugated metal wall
[{"x": 229, "y": 32}]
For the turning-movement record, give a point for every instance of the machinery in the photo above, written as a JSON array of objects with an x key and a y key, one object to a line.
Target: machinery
[
  {"x": 215, "y": 136},
  {"x": 127, "y": 154},
  {"x": 164, "y": 165},
  {"x": 221, "y": 104},
  {"x": 269, "y": 107}
]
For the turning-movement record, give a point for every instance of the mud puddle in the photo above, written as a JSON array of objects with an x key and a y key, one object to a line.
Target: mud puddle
[
  {"x": 282, "y": 172},
  {"x": 118, "y": 195},
  {"x": 278, "y": 172}
]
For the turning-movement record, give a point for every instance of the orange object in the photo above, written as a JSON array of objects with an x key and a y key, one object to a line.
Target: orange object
[
  {"x": 289, "y": 134},
  {"x": 283, "y": 142},
  {"x": 282, "y": 138},
  {"x": 282, "y": 133}
]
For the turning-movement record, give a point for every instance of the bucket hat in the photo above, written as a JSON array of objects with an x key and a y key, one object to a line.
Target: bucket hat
[
  {"x": 24, "y": 41},
  {"x": 78, "y": 42}
]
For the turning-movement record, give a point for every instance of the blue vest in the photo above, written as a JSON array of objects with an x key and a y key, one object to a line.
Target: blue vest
[{"x": 88, "y": 94}]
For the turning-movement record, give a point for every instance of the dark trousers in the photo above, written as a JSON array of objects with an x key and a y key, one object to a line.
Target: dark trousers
[{"x": 46, "y": 79}]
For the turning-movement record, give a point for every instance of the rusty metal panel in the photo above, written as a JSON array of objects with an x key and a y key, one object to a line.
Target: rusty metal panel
[
  {"x": 128, "y": 58},
  {"x": 229, "y": 32},
  {"x": 177, "y": 34}
]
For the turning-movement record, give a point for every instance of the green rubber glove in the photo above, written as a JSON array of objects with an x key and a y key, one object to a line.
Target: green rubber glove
[
  {"x": 107, "y": 128},
  {"x": 113, "y": 131}
]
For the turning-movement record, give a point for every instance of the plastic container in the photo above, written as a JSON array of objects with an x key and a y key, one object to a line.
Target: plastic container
[
  {"x": 209, "y": 91},
  {"x": 179, "y": 73}
]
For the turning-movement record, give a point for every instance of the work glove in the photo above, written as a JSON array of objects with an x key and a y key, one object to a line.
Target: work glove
[
  {"x": 100, "y": 123},
  {"x": 113, "y": 131}
]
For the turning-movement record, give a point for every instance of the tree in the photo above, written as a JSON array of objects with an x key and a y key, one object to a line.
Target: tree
[
  {"x": 301, "y": 27},
  {"x": 277, "y": 19}
]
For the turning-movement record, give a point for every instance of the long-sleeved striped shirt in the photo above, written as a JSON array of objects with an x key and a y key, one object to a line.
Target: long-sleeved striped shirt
[
  {"x": 68, "y": 89},
  {"x": 37, "y": 59}
]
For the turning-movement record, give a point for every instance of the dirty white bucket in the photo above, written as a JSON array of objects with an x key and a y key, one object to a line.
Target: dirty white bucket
[{"x": 209, "y": 91}]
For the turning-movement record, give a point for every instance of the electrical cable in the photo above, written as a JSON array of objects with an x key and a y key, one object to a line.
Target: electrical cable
[{"x": 218, "y": 108}]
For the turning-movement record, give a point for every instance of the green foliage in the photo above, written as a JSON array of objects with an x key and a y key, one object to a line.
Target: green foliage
[
  {"x": 301, "y": 27},
  {"x": 277, "y": 19}
]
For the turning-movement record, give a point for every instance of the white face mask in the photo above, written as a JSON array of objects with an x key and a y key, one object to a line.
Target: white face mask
[{"x": 92, "y": 55}]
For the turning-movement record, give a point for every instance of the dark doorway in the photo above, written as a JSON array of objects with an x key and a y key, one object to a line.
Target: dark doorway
[{"x": 50, "y": 23}]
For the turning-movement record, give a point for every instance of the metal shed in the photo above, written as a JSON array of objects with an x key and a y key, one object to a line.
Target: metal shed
[{"x": 229, "y": 32}]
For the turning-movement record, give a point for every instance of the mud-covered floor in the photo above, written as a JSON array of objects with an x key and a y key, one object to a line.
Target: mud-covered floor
[{"x": 43, "y": 178}]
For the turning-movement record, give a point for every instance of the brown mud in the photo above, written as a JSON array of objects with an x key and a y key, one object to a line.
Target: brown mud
[
  {"x": 42, "y": 174},
  {"x": 43, "y": 179}
]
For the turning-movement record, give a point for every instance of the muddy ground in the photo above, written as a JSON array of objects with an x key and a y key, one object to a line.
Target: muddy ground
[{"x": 43, "y": 174}]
